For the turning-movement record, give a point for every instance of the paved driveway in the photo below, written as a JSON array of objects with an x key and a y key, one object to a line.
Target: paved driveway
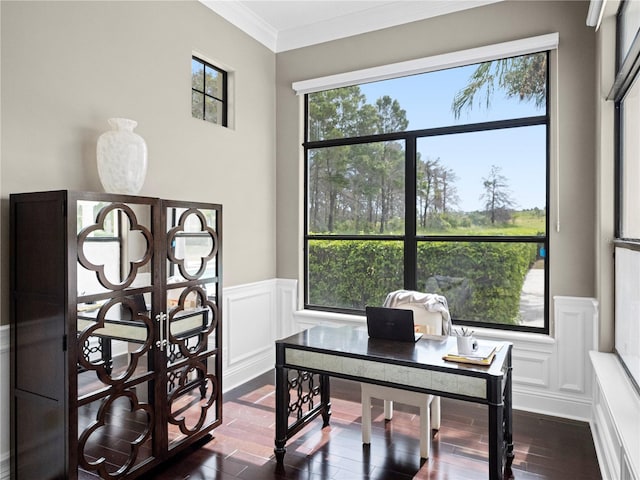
[{"x": 532, "y": 299}]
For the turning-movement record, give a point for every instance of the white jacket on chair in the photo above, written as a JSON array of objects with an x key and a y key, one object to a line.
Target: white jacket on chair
[{"x": 431, "y": 316}]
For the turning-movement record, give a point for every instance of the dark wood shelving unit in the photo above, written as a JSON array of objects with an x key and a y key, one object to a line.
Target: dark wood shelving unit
[{"x": 116, "y": 336}]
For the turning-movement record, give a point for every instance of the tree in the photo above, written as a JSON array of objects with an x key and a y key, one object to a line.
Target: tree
[
  {"x": 424, "y": 184},
  {"x": 436, "y": 192},
  {"x": 524, "y": 77},
  {"x": 446, "y": 193},
  {"x": 204, "y": 80},
  {"x": 332, "y": 114},
  {"x": 390, "y": 118},
  {"x": 360, "y": 186},
  {"x": 497, "y": 196}
]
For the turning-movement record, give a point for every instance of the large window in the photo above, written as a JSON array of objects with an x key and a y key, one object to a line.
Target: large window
[
  {"x": 436, "y": 182},
  {"x": 626, "y": 93}
]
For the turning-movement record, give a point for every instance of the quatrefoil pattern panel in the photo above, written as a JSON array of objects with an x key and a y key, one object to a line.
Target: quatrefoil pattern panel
[
  {"x": 195, "y": 394},
  {"x": 120, "y": 420},
  {"x": 191, "y": 268},
  {"x": 105, "y": 329},
  {"x": 134, "y": 228},
  {"x": 207, "y": 308}
]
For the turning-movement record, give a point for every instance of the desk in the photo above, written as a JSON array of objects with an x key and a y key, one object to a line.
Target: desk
[{"x": 347, "y": 352}]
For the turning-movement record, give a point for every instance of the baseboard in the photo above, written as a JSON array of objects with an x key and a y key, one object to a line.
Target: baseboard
[
  {"x": 552, "y": 404},
  {"x": 247, "y": 370}
]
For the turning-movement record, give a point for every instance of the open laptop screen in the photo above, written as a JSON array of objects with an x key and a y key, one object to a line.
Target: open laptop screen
[{"x": 391, "y": 324}]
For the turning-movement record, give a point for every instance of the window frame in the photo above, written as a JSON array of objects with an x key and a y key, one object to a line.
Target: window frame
[
  {"x": 627, "y": 74},
  {"x": 411, "y": 238},
  {"x": 223, "y": 99}
]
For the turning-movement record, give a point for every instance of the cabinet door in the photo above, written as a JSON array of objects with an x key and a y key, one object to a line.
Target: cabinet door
[
  {"x": 192, "y": 273},
  {"x": 116, "y": 336}
]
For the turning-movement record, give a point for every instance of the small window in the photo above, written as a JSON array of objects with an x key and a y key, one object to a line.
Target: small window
[{"x": 208, "y": 92}]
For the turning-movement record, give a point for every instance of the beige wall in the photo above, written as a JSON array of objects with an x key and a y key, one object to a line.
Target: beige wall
[
  {"x": 572, "y": 251},
  {"x": 68, "y": 66},
  {"x": 605, "y": 226}
]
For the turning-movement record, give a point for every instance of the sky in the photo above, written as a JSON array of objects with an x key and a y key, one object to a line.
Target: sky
[{"x": 520, "y": 153}]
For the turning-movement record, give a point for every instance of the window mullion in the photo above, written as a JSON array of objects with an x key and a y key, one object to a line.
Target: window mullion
[{"x": 410, "y": 245}]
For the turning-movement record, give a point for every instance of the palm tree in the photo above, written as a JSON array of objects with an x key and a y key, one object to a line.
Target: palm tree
[{"x": 524, "y": 77}]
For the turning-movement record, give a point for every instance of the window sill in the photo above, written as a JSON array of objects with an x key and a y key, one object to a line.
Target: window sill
[{"x": 308, "y": 318}]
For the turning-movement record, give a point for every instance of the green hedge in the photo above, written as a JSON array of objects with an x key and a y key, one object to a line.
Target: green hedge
[{"x": 481, "y": 281}]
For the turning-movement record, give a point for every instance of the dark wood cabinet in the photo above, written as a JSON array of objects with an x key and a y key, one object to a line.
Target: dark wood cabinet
[{"x": 116, "y": 332}]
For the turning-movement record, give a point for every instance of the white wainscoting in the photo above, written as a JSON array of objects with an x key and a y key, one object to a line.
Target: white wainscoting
[
  {"x": 551, "y": 374},
  {"x": 615, "y": 420},
  {"x": 254, "y": 316}
]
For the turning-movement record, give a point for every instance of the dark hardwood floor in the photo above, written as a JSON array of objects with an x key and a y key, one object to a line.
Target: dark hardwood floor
[{"x": 242, "y": 447}]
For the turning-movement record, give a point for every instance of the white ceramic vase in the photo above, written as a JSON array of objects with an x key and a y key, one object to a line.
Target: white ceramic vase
[{"x": 122, "y": 158}]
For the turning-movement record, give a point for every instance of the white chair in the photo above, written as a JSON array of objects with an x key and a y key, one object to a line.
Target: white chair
[{"x": 431, "y": 317}]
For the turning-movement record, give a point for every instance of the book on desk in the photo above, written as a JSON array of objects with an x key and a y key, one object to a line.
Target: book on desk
[{"x": 482, "y": 356}]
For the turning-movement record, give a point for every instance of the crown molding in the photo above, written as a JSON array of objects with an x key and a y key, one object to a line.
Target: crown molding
[
  {"x": 247, "y": 21},
  {"x": 376, "y": 18}
]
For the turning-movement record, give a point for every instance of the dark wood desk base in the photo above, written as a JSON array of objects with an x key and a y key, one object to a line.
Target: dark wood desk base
[{"x": 306, "y": 394}]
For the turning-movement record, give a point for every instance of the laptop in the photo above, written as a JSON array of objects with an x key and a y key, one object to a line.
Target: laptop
[{"x": 391, "y": 324}]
